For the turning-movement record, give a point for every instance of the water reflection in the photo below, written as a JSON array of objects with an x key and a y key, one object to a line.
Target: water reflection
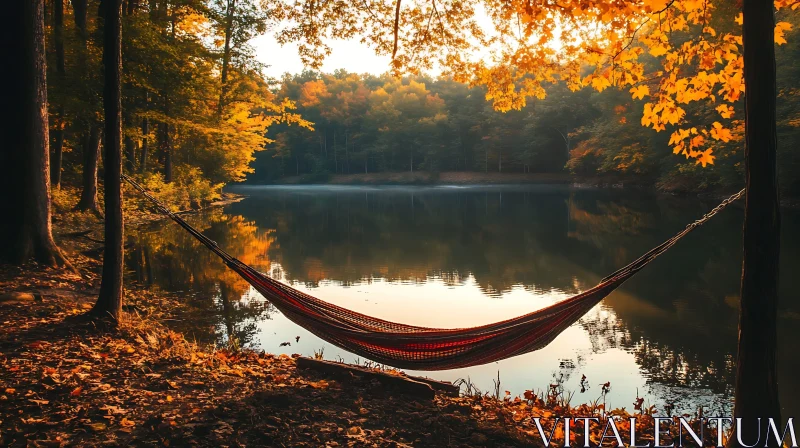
[
  {"x": 168, "y": 257},
  {"x": 459, "y": 257}
]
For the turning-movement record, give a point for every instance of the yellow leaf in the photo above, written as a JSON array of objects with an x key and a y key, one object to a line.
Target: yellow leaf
[
  {"x": 658, "y": 50},
  {"x": 640, "y": 92},
  {"x": 740, "y": 19},
  {"x": 600, "y": 83}
]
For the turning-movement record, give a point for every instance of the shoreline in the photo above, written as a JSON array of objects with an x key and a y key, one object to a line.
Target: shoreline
[
  {"x": 453, "y": 178},
  {"x": 478, "y": 179}
]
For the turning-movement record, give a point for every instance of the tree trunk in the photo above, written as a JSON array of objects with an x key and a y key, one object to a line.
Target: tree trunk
[
  {"x": 91, "y": 154},
  {"x": 25, "y": 160},
  {"x": 226, "y": 56},
  {"x": 58, "y": 151},
  {"x": 131, "y": 6},
  {"x": 130, "y": 154},
  {"x": 58, "y": 132},
  {"x": 165, "y": 143},
  {"x": 756, "y": 393},
  {"x": 335, "y": 162},
  {"x": 167, "y": 154},
  {"x": 80, "y": 9},
  {"x": 109, "y": 302},
  {"x": 145, "y": 145}
]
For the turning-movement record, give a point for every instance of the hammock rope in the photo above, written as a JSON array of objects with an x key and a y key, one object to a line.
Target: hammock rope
[{"x": 422, "y": 348}]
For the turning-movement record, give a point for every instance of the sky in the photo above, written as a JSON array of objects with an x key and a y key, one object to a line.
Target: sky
[{"x": 350, "y": 55}]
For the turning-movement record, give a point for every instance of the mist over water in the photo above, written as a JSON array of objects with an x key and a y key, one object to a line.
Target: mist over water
[{"x": 454, "y": 256}]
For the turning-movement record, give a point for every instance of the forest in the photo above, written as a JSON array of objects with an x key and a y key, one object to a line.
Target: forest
[
  {"x": 200, "y": 113},
  {"x": 112, "y": 100},
  {"x": 367, "y": 123},
  {"x": 196, "y": 104}
]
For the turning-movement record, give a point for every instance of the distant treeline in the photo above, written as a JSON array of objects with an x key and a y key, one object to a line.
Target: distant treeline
[{"x": 366, "y": 124}]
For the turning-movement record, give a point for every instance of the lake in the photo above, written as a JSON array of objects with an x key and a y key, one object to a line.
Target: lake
[{"x": 465, "y": 256}]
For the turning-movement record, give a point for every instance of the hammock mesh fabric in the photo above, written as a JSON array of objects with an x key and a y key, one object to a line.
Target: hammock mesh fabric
[{"x": 422, "y": 348}]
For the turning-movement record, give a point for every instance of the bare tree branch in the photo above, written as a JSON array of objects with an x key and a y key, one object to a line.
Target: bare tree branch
[{"x": 396, "y": 27}]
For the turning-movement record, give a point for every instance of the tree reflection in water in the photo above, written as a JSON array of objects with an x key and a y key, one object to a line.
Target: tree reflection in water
[
  {"x": 677, "y": 318},
  {"x": 221, "y": 309}
]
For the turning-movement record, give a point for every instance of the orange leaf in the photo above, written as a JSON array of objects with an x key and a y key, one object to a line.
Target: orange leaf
[
  {"x": 705, "y": 158},
  {"x": 75, "y": 392},
  {"x": 126, "y": 423}
]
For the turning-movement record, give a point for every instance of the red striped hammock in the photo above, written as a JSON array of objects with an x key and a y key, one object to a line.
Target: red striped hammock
[{"x": 422, "y": 348}]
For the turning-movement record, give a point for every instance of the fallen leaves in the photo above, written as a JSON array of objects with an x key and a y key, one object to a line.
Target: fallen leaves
[
  {"x": 113, "y": 410},
  {"x": 97, "y": 427}
]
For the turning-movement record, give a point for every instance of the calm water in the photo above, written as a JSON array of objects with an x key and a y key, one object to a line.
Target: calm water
[{"x": 456, "y": 257}]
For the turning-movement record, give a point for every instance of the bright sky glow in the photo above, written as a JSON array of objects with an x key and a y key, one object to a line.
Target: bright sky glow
[{"x": 350, "y": 55}]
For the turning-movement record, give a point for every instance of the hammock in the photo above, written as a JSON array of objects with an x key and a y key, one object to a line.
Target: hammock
[{"x": 422, "y": 348}]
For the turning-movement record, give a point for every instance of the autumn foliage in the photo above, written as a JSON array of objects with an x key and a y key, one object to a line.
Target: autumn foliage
[{"x": 582, "y": 43}]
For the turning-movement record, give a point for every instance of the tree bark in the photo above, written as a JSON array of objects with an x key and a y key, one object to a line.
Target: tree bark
[
  {"x": 109, "y": 302},
  {"x": 58, "y": 151},
  {"x": 166, "y": 144},
  {"x": 145, "y": 142},
  {"x": 91, "y": 155},
  {"x": 130, "y": 154},
  {"x": 25, "y": 160},
  {"x": 61, "y": 70},
  {"x": 756, "y": 393},
  {"x": 166, "y": 151},
  {"x": 226, "y": 56}
]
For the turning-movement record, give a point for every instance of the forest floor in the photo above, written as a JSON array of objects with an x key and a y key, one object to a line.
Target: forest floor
[{"x": 66, "y": 380}]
